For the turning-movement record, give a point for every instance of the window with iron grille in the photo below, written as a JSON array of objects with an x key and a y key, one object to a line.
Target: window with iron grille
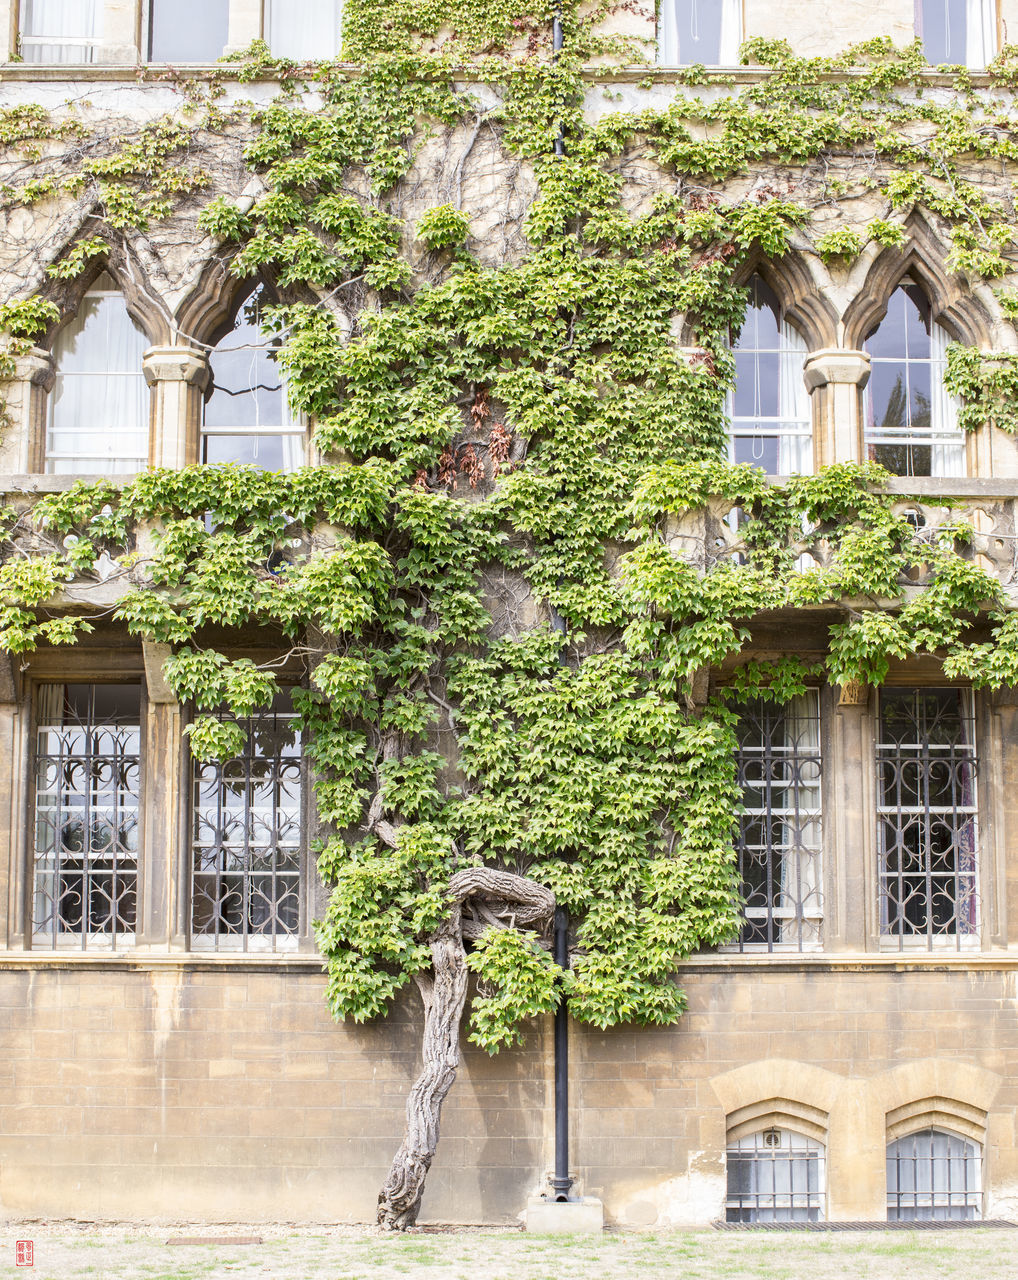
[
  {"x": 934, "y": 1176},
  {"x": 778, "y": 844},
  {"x": 926, "y": 813},
  {"x": 775, "y": 1176},
  {"x": 87, "y": 780},
  {"x": 246, "y": 841}
]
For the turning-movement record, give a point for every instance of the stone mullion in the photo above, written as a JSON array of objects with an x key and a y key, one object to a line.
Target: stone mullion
[
  {"x": 25, "y": 396},
  {"x": 178, "y": 376},
  {"x": 836, "y": 376},
  {"x": 163, "y": 844}
]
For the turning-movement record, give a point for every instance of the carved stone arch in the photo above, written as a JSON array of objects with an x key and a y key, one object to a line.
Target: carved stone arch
[
  {"x": 210, "y": 308},
  {"x": 802, "y": 1091},
  {"x": 948, "y": 1114},
  {"x": 778, "y": 1113},
  {"x": 797, "y": 289},
  {"x": 955, "y": 304}
]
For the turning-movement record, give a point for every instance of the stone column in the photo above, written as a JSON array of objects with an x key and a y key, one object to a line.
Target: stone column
[
  {"x": 12, "y": 793},
  {"x": 177, "y": 376},
  {"x": 120, "y": 34},
  {"x": 245, "y": 24},
  {"x": 163, "y": 841},
  {"x": 837, "y": 376},
  {"x": 23, "y": 396},
  {"x": 849, "y": 822}
]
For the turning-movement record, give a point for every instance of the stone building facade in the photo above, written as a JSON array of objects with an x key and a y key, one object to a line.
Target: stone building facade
[{"x": 168, "y": 1052}]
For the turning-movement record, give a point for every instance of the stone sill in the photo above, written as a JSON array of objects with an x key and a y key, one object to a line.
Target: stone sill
[
  {"x": 168, "y": 73},
  {"x": 145, "y": 962}
]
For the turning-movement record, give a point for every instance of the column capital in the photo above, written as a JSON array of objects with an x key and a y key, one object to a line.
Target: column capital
[
  {"x": 838, "y": 365},
  {"x": 35, "y": 366},
  {"x": 176, "y": 364}
]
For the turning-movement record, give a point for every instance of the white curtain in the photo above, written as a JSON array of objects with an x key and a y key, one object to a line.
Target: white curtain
[
  {"x": 980, "y": 32},
  {"x": 795, "y": 452},
  {"x": 72, "y": 25},
  {"x": 947, "y": 456},
  {"x": 800, "y": 863},
  {"x": 731, "y": 33},
  {"x": 99, "y": 405},
  {"x": 303, "y": 29}
]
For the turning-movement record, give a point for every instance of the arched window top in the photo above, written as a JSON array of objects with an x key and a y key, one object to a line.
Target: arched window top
[
  {"x": 695, "y": 31},
  {"x": 934, "y": 1176},
  {"x": 911, "y": 421},
  {"x": 959, "y": 32},
  {"x": 247, "y": 416},
  {"x": 770, "y": 408},
  {"x": 775, "y": 1175},
  {"x": 99, "y": 405},
  {"x": 303, "y": 29}
]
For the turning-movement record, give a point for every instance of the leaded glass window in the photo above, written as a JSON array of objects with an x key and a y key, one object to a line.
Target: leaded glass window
[
  {"x": 926, "y": 814},
  {"x": 246, "y": 841},
  {"x": 188, "y": 30},
  {"x": 778, "y": 845},
  {"x": 911, "y": 420},
  {"x": 934, "y": 1176},
  {"x": 60, "y": 30},
  {"x": 958, "y": 32},
  {"x": 99, "y": 405},
  {"x": 769, "y": 405},
  {"x": 775, "y": 1176},
  {"x": 247, "y": 415},
  {"x": 87, "y": 786},
  {"x": 699, "y": 31}
]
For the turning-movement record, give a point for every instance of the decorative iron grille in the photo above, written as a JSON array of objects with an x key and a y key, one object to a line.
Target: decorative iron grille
[
  {"x": 87, "y": 774},
  {"x": 775, "y": 1176},
  {"x": 933, "y": 1177},
  {"x": 246, "y": 841},
  {"x": 926, "y": 813},
  {"x": 778, "y": 844}
]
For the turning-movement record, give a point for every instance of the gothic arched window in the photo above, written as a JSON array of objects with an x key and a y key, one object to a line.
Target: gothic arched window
[
  {"x": 99, "y": 407},
  {"x": 770, "y": 408},
  {"x": 775, "y": 1176},
  {"x": 933, "y": 1176},
  {"x": 247, "y": 415},
  {"x": 911, "y": 420}
]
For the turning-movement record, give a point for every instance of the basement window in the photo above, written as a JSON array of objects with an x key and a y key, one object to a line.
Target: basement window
[
  {"x": 934, "y": 1176},
  {"x": 775, "y": 1176},
  {"x": 957, "y": 32},
  {"x": 699, "y": 31}
]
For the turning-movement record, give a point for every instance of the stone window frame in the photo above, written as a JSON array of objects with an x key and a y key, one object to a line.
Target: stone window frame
[
  {"x": 948, "y": 1115},
  {"x": 786, "y": 1116}
]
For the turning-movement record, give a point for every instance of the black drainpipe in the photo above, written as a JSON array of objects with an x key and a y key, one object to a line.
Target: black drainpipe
[
  {"x": 556, "y": 46},
  {"x": 562, "y": 1181}
]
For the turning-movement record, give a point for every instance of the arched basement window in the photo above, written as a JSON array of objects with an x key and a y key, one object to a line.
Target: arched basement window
[
  {"x": 775, "y": 1176},
  {"x": 770, "y": 407},
  {"x": 247, "y": 416},
  {"x": 695, "y": 31},
  {"x": 303, "y": 29},
  {"x": 959, "y": 32},
  {"x": 934, "y": 1176},
  {"x": 99, "y": 406},
  {"x": 911, "y": 420},
  {"x": 59, "y": 30}
]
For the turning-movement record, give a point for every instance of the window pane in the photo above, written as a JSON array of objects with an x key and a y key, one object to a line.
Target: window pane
[
  {"x": 775, "y": 1176},
  {"x": 942, "y": 28},
  {"x": 927, "y": 828},
  {"x": 60, "y": 30},
  {"x": 99, "y": 405},
  {"x": 188, "y": 30},
  {"x": 303, "y": 29},
  {"x": 707, "y": 31},
  {"x": 933, "y": 1177},
  {"x": 246, "y": 840},
  {"x": 86, "y": 814}
]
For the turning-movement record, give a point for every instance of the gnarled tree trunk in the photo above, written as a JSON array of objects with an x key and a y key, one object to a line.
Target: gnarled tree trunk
[{"x": 491, "y": 896}]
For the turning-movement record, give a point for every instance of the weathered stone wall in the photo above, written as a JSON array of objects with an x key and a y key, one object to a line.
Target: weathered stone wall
[{"x": 225, "y": 1092}]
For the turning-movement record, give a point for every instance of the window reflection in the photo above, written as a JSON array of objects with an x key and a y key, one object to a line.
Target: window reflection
[
  {"x": 769, "y": 405},
  {"x": 959, "y": 32},
  {"x": 188, "y": 30},
  {"x": 911, "y": 421},
  {"x": 247, "y": 415},
  {"x": 694, "y": 31}
]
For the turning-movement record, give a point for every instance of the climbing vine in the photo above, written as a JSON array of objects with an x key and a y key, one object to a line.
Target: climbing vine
[{"x": 525, "y": 552}]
